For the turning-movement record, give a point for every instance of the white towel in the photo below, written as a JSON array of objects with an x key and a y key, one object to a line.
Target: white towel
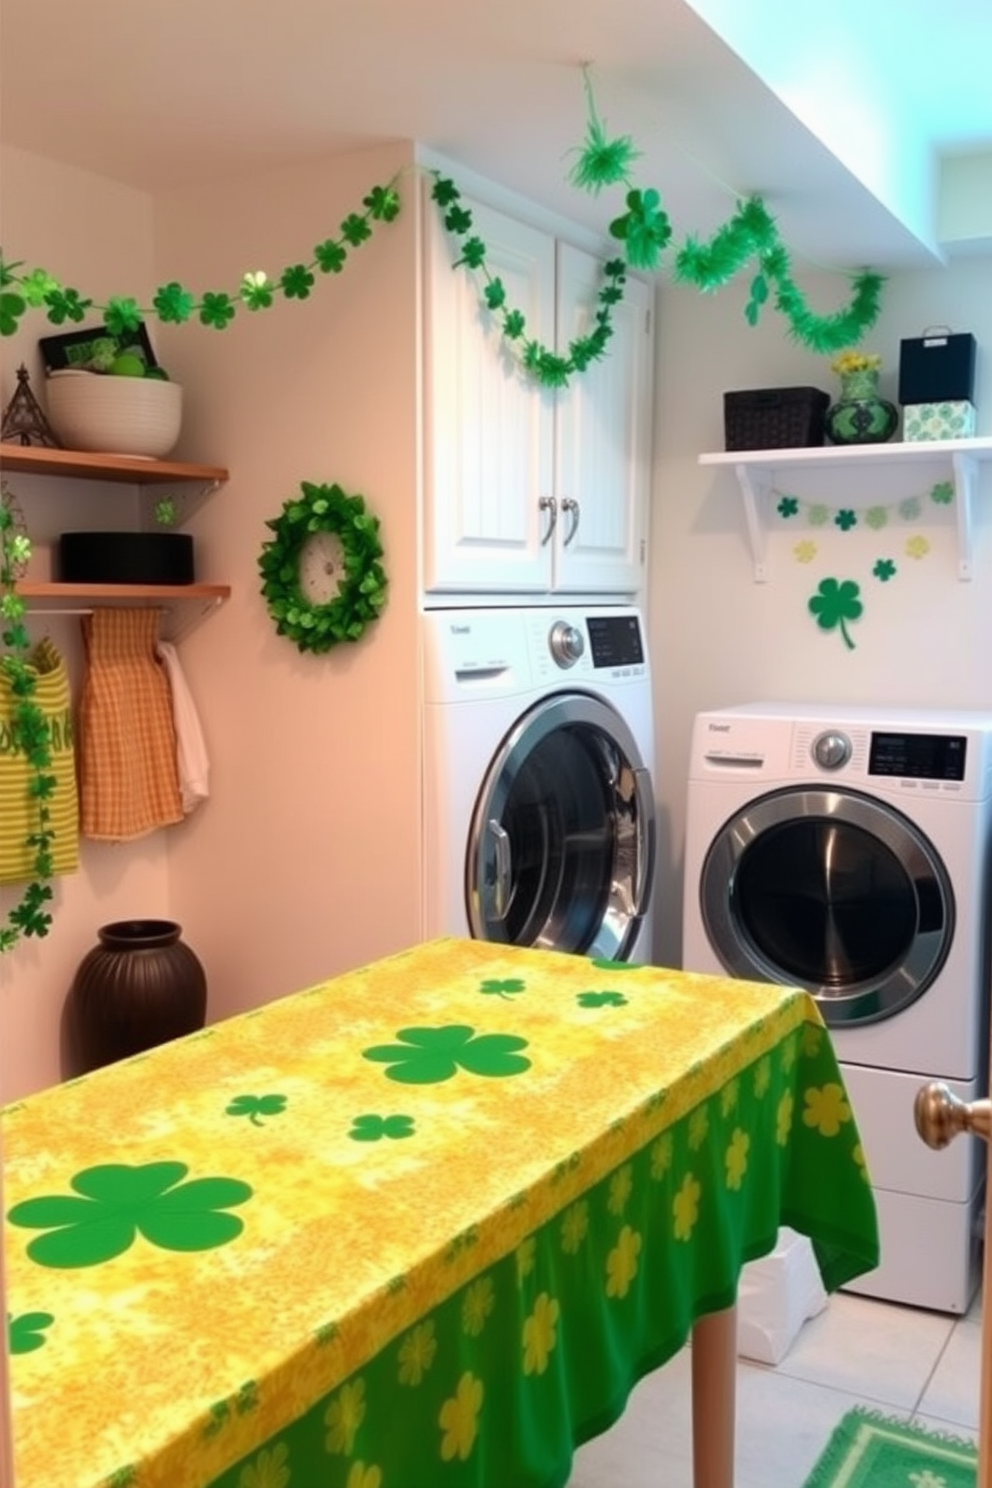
[{"x": 191, "y": 751}]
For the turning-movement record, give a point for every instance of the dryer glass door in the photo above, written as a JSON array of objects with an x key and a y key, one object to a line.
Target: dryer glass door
[
  {"x": 832, "y": 891},
  {"x": 561, "y": 847}
]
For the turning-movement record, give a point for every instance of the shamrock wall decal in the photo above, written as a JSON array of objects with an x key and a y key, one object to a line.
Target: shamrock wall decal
[
  {"x": 426, "y": 1056},
  {"x": 835, "y": 602},
  {"x": 116, "y": 1202}
]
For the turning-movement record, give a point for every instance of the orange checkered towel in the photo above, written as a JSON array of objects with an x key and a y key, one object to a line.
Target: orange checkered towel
[
  {"x": 128, "y": 777},
  {"x": 19, "y": 809}
]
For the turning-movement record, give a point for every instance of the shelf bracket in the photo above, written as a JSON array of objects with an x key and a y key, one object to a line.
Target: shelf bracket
[
  {"x": 186, "y": 497},
  {"x": 755, "y": 483},
  {"x": 965, "y": 476},
  {"x": 175, "y": 630}
]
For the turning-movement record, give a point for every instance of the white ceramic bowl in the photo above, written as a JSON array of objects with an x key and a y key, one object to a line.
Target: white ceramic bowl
[{"x": 115, "y": 415}]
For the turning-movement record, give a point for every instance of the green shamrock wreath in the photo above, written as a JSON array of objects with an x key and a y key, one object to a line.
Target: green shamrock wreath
[{"x": 361, "y": 593}]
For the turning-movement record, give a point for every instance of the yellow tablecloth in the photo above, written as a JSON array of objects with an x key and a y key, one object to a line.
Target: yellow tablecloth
[{"x": 384, "y": 1232}]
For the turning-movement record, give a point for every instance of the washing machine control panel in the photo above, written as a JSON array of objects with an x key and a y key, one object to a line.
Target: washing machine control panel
[
  {"x": 831, "y": 750},
  {"x": 566, "y": 643}
]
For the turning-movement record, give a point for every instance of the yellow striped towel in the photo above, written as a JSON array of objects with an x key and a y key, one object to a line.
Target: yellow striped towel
[{"x": 18, "y": 810}]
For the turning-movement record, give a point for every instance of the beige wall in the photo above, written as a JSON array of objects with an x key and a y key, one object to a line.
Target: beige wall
[
  {"x": 95, "y": 235},
  {"x": 305, "y": 860}
]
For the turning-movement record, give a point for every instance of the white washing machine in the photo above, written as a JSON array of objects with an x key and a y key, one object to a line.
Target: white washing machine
[
  {"x": 539, "y": 822},
  {"x": 847, "y": 850}
]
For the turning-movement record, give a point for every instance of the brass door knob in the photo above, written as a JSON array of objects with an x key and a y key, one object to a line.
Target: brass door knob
[{"x": 940, "y": 1115}]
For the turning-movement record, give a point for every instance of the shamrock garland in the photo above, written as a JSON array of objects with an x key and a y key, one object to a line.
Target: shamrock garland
[
  {"x": 362, "y": 592},
  {"x": 644, "y": 231},
  {"x": 838, "y": 601},
  {"x": 172, "y": 303},
  {"x": 29, "y": 731},
  {"x": 546, "y": 366}
]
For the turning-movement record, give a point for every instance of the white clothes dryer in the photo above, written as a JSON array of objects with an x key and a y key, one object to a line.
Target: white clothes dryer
[
  {"x": 847, "y": 850},
  {"x": 539, "y": 825}
]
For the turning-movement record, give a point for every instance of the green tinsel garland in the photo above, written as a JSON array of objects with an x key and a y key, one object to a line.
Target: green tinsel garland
[{"x": 751, "y": 233}]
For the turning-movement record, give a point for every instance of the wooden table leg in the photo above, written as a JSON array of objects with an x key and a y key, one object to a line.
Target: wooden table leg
[{"x": 714, "y": 1381}]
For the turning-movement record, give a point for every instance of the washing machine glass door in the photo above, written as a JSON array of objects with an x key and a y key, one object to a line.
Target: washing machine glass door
[
  {"x": 833, "y": 891},
  {"x": 561, "y": 847}
]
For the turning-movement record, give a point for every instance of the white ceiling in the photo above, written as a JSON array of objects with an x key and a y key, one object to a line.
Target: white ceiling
[{"x": 158, "y": 94}]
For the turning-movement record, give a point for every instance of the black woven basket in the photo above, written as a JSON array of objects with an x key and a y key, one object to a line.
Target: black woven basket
[{"x": 774, "y": 418}]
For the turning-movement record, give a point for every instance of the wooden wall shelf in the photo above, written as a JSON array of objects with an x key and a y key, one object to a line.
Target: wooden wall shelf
[
  {"x": 183, "y": 605},
  {"x": 20, "y": 459}
]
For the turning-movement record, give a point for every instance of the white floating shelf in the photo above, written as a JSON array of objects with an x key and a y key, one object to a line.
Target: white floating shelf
[{"x": 756, "y": 469}]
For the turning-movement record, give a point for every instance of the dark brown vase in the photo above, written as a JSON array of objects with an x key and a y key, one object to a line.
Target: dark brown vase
[{"x": 141, "y": 986}]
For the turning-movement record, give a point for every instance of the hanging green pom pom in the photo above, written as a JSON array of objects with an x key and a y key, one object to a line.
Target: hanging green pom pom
[{"x": 602, "y": 162}]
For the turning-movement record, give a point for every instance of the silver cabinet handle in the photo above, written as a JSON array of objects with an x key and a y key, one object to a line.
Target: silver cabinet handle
[
  {"x": 570, "y": 505},
  {"x": 548, "y": 504},
  {"x": 503, "y": 868}
]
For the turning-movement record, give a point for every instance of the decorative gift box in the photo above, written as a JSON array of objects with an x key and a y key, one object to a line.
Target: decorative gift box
[
  {"x": 950, "y": 420},
  {"x": 937, "y": 368}
]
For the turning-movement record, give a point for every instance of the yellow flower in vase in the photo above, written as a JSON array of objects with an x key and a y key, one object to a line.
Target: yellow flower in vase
[{"x": 860, "y": 415}]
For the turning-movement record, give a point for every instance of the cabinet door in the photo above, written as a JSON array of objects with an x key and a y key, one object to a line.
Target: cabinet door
[
  {"x": 489, "y": 430},
  {"x": 603, "y": 436}
]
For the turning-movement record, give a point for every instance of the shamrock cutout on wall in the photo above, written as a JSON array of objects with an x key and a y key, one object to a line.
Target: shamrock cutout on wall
[{"x": 836, "y": 601}]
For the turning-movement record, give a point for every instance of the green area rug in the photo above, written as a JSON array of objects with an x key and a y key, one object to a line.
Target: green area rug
[{"x": 873, "y": 1451}]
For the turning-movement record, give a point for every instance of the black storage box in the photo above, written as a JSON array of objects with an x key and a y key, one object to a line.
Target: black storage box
[
  {"x": 774, "y": 418},
  {"x": 937, "y": 368},
  {"x": 126, "y": 558}
]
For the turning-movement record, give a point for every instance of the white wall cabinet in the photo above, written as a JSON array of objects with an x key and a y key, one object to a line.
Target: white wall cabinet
[{"x": 530, "y": 490}]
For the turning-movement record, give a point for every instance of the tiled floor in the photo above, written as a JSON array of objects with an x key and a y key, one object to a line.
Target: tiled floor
[{"x": 858, "y": 1351}]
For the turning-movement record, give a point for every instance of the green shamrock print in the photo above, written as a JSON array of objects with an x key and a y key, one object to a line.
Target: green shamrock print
[
  {"x": 507, "y": 987},
  {"x": 24, "y": 1333},
  {"x": 877, "y": 517},
  {"x": 942, "y": 493},
  {"x": 835, "y": 602},
  {"x": 117, "y": 1202},
  {"x": 256, "y": 1106},
  {"x": 884, "y": 569},
  {"x": 600, "y": 999},
  {"x": 374, "y": 1128},
  {"x": 788, "y": 507},
  {"x": 426, "y": 1056},
  {"x": 846, "y": 519},
  {"x": 819, "y": 515},
  {"x": 603, "y": 963}
]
